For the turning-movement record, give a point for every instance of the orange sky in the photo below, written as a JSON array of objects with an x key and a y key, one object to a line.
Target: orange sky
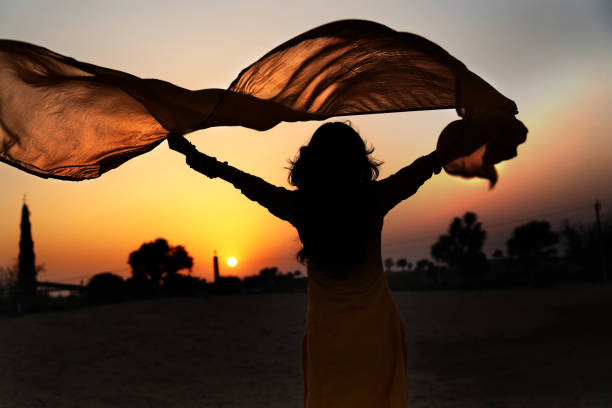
[{"x": 553, "y": 59}]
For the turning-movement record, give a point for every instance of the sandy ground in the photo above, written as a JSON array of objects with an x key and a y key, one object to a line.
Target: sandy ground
[{"x": 494, "y": 349}]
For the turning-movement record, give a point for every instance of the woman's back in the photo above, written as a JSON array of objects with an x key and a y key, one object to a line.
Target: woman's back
[
  {"x": 353, "y": 348},
  {"x": 340, "y": 228}
]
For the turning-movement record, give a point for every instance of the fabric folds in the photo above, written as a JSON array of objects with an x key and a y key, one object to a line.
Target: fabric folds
[{"x": 67, "y": 119}]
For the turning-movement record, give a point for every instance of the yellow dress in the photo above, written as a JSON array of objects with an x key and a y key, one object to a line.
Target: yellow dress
[
  {"x": 354, "y": 353},
  {"x": 354, "y": 350}
]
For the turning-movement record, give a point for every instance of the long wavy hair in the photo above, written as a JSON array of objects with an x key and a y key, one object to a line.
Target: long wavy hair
[
  {"x": 336, "y": 157},
  {"x": 335, "y": 153}
]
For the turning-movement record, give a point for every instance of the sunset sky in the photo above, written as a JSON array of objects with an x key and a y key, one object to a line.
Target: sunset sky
[{"x": 553, "y": 58}]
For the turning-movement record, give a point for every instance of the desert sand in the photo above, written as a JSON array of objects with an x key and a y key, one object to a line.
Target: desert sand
[{"x": 519, "y": 348}]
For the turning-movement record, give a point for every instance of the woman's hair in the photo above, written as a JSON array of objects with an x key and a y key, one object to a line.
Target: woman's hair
[
  {"x": 336, "y": 157},
  {"x": 335, "y": 153}
]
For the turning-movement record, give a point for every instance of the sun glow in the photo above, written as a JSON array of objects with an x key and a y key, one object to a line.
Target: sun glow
[{"x": 232, "y": 261}]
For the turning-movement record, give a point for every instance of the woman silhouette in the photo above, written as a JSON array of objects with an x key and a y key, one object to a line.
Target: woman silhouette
[{"x": 353, "y": 350}]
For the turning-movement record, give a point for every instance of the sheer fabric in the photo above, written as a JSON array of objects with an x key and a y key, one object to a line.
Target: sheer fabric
[{"x": 67, "y": 119}]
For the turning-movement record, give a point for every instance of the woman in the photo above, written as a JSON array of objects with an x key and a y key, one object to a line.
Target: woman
[{"x": 353, "y": 350}]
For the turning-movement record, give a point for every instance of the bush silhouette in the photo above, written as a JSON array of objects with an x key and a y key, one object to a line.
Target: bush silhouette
[{"x": 105, "y": 287}]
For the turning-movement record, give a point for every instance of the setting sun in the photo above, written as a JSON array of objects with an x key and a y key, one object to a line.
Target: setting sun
[{"x": 232, "y": 261}]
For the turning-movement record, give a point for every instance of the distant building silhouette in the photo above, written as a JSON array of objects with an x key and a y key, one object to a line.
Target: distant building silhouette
[
  {"x": 216, "y": 267},
  {"x": 27, "y": 268}
]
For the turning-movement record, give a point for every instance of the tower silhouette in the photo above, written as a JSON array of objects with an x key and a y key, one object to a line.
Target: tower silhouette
[
  {"x": 27, "y": 268},
  {"x": 216, "y": 266}
]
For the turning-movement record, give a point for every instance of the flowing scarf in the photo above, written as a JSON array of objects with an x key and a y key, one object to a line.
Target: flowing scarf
[{"x": 67, "y": 119}]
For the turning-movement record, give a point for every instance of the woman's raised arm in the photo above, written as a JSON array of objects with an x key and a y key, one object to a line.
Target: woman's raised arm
[
  {"x": 401, "y": 185},
  {"x": 277, "y": 200}
]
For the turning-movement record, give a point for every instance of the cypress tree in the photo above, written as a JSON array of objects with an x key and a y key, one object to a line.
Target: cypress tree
[{"x": 27, "y": 268}]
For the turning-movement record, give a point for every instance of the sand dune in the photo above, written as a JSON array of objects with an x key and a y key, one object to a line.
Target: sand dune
[{"x": 522, "y": 348}]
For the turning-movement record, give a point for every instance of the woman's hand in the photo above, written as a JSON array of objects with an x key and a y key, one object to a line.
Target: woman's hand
[
  {"x": 500, "y": 132},
  {"x": 452, "y": 143},
  {"x": 178, "y": 143}
]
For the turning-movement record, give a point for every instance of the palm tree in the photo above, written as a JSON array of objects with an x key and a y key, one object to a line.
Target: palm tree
[
  {"x": 402, "y": 263},
  {"x": 461, "y": 248}
]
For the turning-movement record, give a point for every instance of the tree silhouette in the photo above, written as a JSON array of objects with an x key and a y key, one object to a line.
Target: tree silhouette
[
  {"x": 389, "y": 264},
  {"x": 178, "y": 259},
  {"x": 461, "y": 248},
  {"x": 425, "y": 274},
  {"x": 588, "y": 246},
  {"x": 402, "y": 263},
  {"x": 27, "y": 268},
  {"x": 269, "y": 274},
  {"x": 533, "y": 242},
  {"x": 574, "y": 238},
  {"x": 157, "y": 260},
  {"x": 424, "y": 265}
]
